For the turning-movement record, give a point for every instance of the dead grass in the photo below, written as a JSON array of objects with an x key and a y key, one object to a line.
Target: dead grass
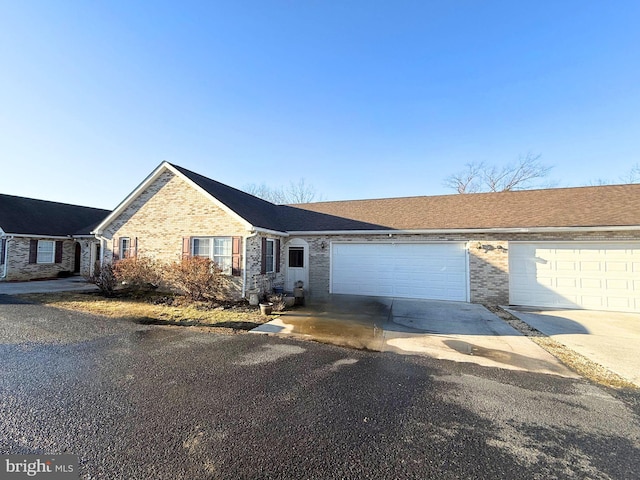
[
  {"x": 576, "y": 362},
  {"x": 155, "y": 309}
]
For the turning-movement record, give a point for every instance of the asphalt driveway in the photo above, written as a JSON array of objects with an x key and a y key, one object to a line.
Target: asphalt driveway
[
  {"x": 461, "y": 332},
  {"x": 135, "y": 401},
  {"x": 611, "y": 339}
]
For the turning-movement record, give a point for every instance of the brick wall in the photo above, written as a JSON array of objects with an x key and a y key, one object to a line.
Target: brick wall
[
  {"x": 19, "y": 268},
  {"x": 488, "y": 265},
  {"x": 170, "y": 209}
]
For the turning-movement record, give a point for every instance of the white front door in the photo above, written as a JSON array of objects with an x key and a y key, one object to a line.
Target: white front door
[{"x": 297, "y": 263}]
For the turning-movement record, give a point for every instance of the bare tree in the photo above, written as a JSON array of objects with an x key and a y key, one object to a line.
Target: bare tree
[
  {"x": 632, "y": 176},
  {"x": 295, "y": 192},
  {"x": 301, "y": 192},
  {"x": 480, "y": 177}
]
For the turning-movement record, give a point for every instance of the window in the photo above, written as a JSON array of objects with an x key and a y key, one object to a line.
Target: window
[
  {"x": 270, "y": 255},
  {"x": 46, "y": 251},
  {"x": 296, "y": 257},
  {"x": 125, "y": 247},
  {"x": 218, "y": 249}
]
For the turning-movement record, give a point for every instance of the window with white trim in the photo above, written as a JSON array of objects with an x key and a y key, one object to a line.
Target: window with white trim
[
  {"x": 125, "y": 247},
  {"x": 218, "y": 249},
  {"x": 46, "y": 251},
  {"x": 270, "y": 255}
]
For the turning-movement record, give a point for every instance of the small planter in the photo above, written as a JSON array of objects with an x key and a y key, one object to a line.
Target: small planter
[
  {"x": 289, "y": 301},
  {"x": 266, "y": 308},
  {"x": 254, "y": 297}
]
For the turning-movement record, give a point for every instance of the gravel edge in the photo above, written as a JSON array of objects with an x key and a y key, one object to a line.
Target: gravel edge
[{"x": 578, "y": 363}]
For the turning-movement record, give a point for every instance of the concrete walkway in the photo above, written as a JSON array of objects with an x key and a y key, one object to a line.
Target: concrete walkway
[
  {"x": 611, "y": 339},
  {"x": 456, "y": 331},
  {"x": 44, "y": 286}
]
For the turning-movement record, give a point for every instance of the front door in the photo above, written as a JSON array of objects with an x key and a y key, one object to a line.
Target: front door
[
  {"x": 76, "y": 259},
  {"x": 297, "y": 258}
]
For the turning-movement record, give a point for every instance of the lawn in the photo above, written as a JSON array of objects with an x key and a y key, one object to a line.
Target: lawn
[{"x": 156, "y": 309}]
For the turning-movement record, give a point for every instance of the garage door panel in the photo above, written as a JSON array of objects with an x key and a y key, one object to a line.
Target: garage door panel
[
  {"x": 577, "y": 275},
  {"x": 436, "y": 271}
]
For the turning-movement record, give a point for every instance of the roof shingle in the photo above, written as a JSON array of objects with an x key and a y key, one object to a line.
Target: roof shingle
[
  {"x": 28, "y": 216},
  {"x": 610, "y": 205}
]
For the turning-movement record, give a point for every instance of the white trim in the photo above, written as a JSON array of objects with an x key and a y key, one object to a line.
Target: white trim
[
  {"x": 616, "y": 228},
  {"x": 590, "y": 240},
  {"x": 53, "y": 253},
  {"x": 467, "y": 246},
  {"x": 270, "y": 232},
  {"x": 35, "y": 236},
  {"x": 297, "y": 243},
  {"x": 164, "y": 166}
]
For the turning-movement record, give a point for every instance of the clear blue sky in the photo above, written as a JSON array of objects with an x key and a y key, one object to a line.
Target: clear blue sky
[{"x": 363, "y": 99}]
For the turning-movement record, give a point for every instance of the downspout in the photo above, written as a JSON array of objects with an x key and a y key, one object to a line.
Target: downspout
[{"x": 244, "y": 263}]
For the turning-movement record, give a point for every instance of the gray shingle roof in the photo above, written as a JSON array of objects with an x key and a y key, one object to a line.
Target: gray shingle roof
[{"x": 28, "y": 216}]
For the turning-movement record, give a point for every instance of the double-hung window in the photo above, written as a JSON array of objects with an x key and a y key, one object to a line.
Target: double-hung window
[
  {"x": 125, "y": 247},
  {"x": 46, "y": 251},
  {"x": 270, "y": 255},
  {"x": 218, "y": 249}
]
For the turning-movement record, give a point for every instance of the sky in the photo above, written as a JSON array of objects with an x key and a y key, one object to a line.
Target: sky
[{"x": 362, "y": 99}]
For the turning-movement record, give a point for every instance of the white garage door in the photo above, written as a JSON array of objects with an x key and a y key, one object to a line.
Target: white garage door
[
  {"x": 603, "y": 276},
  {"x": 411, "y": 270}
]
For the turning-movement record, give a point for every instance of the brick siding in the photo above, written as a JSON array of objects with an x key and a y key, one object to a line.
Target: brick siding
[
  {"x": 19, "y": 268},
  {"x": 488, "y": 265}
]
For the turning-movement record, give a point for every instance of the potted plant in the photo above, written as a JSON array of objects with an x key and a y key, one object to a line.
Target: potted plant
[{"x": 266, "y": 308}]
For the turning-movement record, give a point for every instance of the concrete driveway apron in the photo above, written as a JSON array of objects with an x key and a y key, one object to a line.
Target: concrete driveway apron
[
  {"x": 46, "y": 286},
  {"x": 456, "y": 331},
  {"x": 611, "y": 339}
]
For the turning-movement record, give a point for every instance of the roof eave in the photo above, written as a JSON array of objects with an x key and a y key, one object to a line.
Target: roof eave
[{"x": 603, "y": 228}]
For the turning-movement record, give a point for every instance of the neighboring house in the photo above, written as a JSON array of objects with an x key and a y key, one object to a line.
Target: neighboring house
[
  {"x": 568, "y": 247},
  {"x": 41, "y": 239}
]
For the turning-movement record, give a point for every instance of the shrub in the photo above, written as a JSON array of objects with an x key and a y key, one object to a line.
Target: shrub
[
  {"x": 104, "y": 278},
  {"x": 138, "y": 273},
  {"x": 278, "y": 302},
  {"x": 198, "y": 278}
]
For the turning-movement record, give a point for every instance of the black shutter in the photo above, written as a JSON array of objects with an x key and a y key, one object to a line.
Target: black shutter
[
  {"x": 58, "y": 257},
  {"x": 3, "y": 248},
  {"x": 263, "y": 257},
  {"x": 33, "y": 251},
  {"x": 277, "y": 255},
  {"x": 135, "y": 247},
  {"x": 236, "y": 256}
]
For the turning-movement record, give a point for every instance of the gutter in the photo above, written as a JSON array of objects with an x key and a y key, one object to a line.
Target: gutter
[
  {"x": 270, "y": 232},
  {"x": 39, "y": 235},
  {"x": 391, "y": 232}
]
